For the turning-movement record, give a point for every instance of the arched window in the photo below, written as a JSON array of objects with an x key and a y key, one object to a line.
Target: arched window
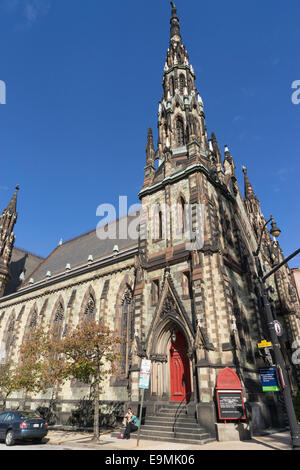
[
  {"x": 181, "y": 84},
  {"x": 160, "y": 225},
  {"x": 182, "y": 224},
  {"x": 127, "y": 329},
  {"x": 31, "y": 324},
  {"x": 90, "y": 309},
  {"x": 172, "y": 87},
  {"x": 180, "y": 132},
  {"x": 10, "y": 337},
  {"x": 58, "y": 320}
]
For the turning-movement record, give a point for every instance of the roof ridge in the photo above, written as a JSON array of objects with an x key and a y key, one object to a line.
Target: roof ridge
[
  {"x": 94, "y": 230},
  {"x": 29, "y": 252}
]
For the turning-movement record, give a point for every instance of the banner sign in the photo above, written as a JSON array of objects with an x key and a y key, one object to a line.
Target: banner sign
[
  {"x": 269, "y": 381},
  {"x": 145, "y": 374}
]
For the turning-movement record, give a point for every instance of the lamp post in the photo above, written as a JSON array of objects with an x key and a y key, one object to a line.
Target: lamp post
[{"x": 294, "y": 428}]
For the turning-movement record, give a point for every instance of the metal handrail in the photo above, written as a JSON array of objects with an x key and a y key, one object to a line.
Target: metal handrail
[{"x": 185, "y": 400}]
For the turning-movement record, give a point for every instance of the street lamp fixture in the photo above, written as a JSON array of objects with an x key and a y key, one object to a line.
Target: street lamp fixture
[{"x": 275, "y": 231}]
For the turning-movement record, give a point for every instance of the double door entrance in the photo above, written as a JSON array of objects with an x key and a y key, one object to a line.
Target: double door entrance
[{"x": 180, "y": 369}]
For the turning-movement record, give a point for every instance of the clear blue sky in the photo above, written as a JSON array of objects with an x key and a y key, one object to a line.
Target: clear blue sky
[{"x": 83, "y": 84}]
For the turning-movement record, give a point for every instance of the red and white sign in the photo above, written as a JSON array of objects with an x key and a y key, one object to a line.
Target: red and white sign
[{"x": 278, "y": 328}]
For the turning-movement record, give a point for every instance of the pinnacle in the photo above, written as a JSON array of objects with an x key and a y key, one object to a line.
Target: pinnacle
[{"x": 12, "y": 206}]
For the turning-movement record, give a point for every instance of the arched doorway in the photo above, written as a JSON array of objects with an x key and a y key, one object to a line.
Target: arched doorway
[{"x": 180, "y": 377}]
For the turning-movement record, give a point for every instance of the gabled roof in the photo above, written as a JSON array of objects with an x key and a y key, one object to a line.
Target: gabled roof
[
  {"x": 77, "y": 250},
  {"x": 22, "y": 261}
]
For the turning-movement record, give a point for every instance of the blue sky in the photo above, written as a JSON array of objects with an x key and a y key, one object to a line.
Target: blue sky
[{"x": 83, "y": 83}]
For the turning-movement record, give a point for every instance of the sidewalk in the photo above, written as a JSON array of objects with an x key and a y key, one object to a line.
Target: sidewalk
[{"x": 277, "y": 441}]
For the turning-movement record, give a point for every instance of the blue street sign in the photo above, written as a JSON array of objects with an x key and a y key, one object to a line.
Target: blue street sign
[{"x": 268, "y": 377}]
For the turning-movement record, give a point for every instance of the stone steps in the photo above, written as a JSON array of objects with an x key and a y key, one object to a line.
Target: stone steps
[
  {"x": 190, "y": 424},
  {"x": 165, "y": 438},
  {"x": 179, "y": 432},
  {"x": 173, "y": 424}
]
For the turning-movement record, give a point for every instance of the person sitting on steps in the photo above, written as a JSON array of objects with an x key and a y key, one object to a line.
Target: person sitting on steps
[{"x": 131, "y": 426}]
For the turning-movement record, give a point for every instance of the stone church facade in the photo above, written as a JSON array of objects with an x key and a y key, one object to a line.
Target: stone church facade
[{"x": 189, "y": 303}]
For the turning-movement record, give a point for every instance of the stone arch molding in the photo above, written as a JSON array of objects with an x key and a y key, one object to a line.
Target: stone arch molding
[{"x": 170, "y": 314}]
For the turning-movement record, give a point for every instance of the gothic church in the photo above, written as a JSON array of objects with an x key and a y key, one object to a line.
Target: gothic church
[{"x": 191, "y": 312}]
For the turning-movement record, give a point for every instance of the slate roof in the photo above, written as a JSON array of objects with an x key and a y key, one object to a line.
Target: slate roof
[
  {"x": 21, "y": 261},
  {"x": 76, "y": 252}
]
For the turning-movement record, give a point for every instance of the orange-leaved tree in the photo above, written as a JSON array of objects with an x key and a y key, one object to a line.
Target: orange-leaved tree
[
  {"x": 41, "y": 366},
  {"x": 92, "y": 352},
  {"x": 9, "y": 382}
]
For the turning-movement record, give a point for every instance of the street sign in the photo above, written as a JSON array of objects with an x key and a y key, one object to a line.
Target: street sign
[
  {"x": 265, "y": 344},
  {"x": 278, "y": 328},
  {"x": 146, "y": 366},
  {"x": 268, "y": 377}
]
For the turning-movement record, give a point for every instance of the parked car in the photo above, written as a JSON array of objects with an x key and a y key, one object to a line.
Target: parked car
[{"x": 15, "y": 425}]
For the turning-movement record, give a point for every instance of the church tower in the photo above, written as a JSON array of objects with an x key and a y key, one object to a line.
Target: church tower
[
  {"x": 182, "y": 137},
  {"x": 7, "y": 239},
  {"x": 197, "y": 304}
]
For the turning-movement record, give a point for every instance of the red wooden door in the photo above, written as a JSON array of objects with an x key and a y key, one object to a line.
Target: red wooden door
[{"x": 180, "y": 369}]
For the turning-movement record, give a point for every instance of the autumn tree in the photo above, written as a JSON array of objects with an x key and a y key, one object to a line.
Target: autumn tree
[
  {"x": 92, "y": 352},
  {"x": 41, "y": 366},
  {"x": 9, "y": 382}
]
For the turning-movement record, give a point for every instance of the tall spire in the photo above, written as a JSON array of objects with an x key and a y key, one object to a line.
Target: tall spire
[
  {"x": 181, "y": 116},
  {"x": 7, "y": 239},
  {"x": 175, "y": 27},
  {"x": 181, "y": 119}
]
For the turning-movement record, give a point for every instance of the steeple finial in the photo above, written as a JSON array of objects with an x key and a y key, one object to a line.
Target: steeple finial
[
  {"x": 175, "y": 27},
  {"x": 12, "y": 206},
  {"x": 249, "y": 193},
  {"x": 150, "y": 146}
]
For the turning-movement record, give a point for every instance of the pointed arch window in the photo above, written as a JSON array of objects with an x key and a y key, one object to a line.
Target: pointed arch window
[
  {"x": 31, "y": 323},
  {"x": 160, "y": 225},
  {"x": 33, "y": 320},
  {"x": 10, "y": 337},
  {"x": 182, "y": 220},
  {"x": 180, "y": 132},
  {"x": 58, "y": 321},
  {"x": 172, "y": 86},
  {"x": 90, "y": 308},
  {"x": 181, "y": 84},
  {"x": 127, "y": 329}
]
